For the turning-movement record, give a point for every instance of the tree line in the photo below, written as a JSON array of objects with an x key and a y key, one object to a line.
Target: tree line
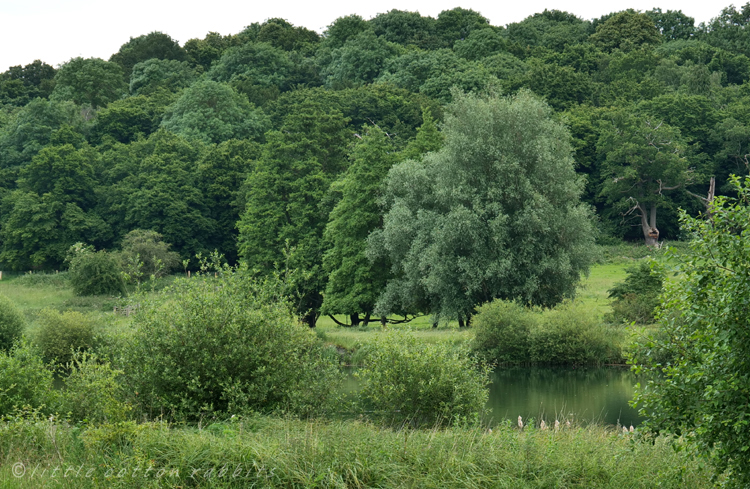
[{"x": 361, "y": 159}]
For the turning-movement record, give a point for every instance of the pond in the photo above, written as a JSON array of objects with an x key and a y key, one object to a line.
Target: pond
[
  {"x": 584, "y": 395},
  {"x": 599, "y": 394}
]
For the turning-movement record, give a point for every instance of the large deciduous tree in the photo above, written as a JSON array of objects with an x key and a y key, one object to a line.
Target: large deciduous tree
[
  {"x": 645, "y": 160},
  {"x": 154, "y": 74},
  {"x": 359, "y": 61},
  {"x": 153, "y": 45},
  {"x": 222, "y": 171},
  {"x": 354, "y": 281},
  {"x": 153, "y": 184},
  {"x": 30, "y": 130},
  {"x": 496, "y": 213},
  {"x": 626, "y": 30},
  {"x": 90, "y": 81},
  {"x": 214, "y": 112},
  {"x": 53, "y": 208},
  {"x": 286, "y": 206},
  {"x": 19, "y": 85}
]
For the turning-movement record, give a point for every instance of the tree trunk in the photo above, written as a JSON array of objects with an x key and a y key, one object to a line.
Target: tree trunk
[
  {"x": 354, "y": 319},
  {"x": 383, "y": 321},
  {"x": 648, "y": 225},
  {"x": 461, "y": 322},
  {"x": 310, "y": 319},
  {"x": 366, "y": 320}
]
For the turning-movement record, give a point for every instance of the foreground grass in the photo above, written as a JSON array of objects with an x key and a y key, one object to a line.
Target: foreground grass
[{"x": 272, "y": 452}]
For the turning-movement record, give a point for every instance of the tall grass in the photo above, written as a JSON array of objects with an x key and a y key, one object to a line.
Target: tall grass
[{"x": 273, "y": 452}]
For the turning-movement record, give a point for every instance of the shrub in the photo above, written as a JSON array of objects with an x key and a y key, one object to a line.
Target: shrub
[
  {"x": 502, "y": 332},
  {"x": 145, "y": 254},
  {"x": 96, "y": 273},
  {"x": 636, "y": 298},
  {"x": 11, "y": 323},
  {"x": 229, "y": 344},
  {"x": 25, "y": 379},
  {"x": 703, "y": 391},
  {"x": 62, "y": 333},
  {"x": 570, "y": 334},
  {"x": 566, "y": 334},
  {"x": 423, "y": 383},
  {"x": 93, "y": 392}
]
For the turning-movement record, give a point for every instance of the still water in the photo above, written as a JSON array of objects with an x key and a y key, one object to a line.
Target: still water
[
  {"x": 581, "y": 394},
  {"x": 584, "y": 395}
]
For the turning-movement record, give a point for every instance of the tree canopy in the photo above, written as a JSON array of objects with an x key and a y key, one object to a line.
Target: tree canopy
[{"x": 495, "y": 213}]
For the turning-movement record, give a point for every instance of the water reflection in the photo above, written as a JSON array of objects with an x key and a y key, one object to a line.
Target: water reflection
[
  {"x": 577, "y": 394},
  {"x": 583, "y": 394}
]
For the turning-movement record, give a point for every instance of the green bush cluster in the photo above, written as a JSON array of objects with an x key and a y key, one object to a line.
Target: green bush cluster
[
  {"x": 11, "y": 323},
  {"x": 229, "y": 344},
  {"x": 424, "y": 384},
  {"x": 25, "y": 380},
  {"x": 636, "y": 298},
  {"x": 509, "y": 333},
  {"x": 93, "y": 392},
  {"x": 61, "y": 334},
  {"x": 96, "y": 273},
  {"x": 144, "y": 253}
]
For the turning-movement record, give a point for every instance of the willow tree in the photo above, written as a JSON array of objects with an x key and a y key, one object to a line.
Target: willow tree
[{"x": 495, "y": 213}]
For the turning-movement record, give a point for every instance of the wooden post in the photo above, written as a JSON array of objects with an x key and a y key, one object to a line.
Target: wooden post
[
  {"x": 188, "y": 273},
  {"x": 1, "y": 275}
]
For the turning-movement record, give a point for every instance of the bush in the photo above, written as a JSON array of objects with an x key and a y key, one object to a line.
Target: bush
[
  {"x": 62, "y": 333},
  {"x": 636, "y": 298},
  {"x": 508, "y": 333},
  {"x": 25, "y": 380},
  {"x": 569, "y": 334},
  {"x": 145, "y": 254},
  {"x": 704, "y": 332},
  {"x": 422, "y": 383},
  {"x": 227, "y": 345},
  {"x": 96, "y": 273},
  {"x": 502, "y": 332},
  {"x": 11, "y": 323},
  {"x": 93, "y": 392}
]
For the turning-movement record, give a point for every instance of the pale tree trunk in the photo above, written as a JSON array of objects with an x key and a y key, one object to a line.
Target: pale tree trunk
[{"x": 648, "y": 225}]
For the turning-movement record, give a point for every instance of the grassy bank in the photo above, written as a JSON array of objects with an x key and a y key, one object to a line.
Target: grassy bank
[
  {"x": 272, "y": 452},
  {"x": 592, "y": 294}
]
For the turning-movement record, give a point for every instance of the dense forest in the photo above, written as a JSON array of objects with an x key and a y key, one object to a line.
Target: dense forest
[{"x": 272, "y": 145}]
